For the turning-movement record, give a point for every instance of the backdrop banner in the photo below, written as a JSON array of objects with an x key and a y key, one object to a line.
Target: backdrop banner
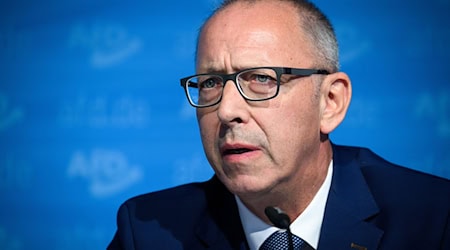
[{"x": 92, "y": 112}]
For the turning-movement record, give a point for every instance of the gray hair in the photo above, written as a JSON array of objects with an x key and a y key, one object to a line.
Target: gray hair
[{"x": 315, "y": 24}]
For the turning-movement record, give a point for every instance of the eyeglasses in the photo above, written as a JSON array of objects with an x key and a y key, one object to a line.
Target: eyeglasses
[{"x": 254, "y": 84}]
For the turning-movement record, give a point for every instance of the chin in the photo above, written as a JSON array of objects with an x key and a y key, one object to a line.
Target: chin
[{"x": 244, "y": 185}]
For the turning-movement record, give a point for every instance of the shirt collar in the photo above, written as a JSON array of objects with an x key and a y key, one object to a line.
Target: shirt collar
[{"x": 307, "y": 225}]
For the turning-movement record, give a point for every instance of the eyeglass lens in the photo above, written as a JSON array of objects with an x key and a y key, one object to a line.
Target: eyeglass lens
[{"x": 253, "y": 84}]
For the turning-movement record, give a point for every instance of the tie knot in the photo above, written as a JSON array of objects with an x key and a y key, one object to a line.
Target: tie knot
[{"x": 280, "y": 241}]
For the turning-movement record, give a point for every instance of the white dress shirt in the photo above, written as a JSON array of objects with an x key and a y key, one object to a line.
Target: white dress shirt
[{"x": 307, "y": 225}]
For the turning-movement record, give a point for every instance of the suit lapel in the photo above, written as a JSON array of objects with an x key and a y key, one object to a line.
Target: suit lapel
[
  {"x": 349, "y": 207},
  {"x": 220, "y": 227}
]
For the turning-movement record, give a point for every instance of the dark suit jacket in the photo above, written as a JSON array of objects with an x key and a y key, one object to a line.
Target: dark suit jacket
[{"x": 371, "y": 204}]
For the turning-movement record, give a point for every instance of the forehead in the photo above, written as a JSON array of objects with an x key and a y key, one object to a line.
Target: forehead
[{"x": 259, "y": 32}]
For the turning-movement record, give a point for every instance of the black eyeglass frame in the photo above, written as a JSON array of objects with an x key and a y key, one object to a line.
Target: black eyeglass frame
[{"x": 233, "y": 77}]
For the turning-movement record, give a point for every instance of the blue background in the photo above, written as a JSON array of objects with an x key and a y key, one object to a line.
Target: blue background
[{"x": 91, "y": 111}]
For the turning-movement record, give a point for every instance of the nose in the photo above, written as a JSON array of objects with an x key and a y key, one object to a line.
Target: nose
[{"x": 233, "y": 108}]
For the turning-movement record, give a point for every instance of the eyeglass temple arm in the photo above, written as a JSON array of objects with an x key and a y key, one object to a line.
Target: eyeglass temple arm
[{"x": 306, "y": 72}]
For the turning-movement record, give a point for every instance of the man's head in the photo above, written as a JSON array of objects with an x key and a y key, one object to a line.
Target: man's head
[{"x": 260, "y": 148}]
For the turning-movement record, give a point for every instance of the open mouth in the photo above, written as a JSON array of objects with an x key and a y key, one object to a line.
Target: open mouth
[{"x": 235, "y": 151}]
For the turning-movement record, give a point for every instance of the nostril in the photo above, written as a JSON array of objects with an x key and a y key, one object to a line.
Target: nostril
[
  {"x": 231, "y": 113},
  {"x": 237, "y": 120}
]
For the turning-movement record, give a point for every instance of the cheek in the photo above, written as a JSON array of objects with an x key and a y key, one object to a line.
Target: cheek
[
  {"x": 296, "y": 123},
  {"x": 208, "y": 124}
]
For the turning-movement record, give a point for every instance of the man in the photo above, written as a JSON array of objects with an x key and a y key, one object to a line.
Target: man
[{"x": 268, "y": 93}]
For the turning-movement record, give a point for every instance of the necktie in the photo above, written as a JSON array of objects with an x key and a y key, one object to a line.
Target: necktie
[{"x": 280, "y": 241}]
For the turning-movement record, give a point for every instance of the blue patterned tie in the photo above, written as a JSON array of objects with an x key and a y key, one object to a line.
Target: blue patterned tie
[{"x": 280, "y": 241}]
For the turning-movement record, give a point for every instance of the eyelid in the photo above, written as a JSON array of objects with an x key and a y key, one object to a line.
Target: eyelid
[
  {"x": 213, "y": 78},
  {"x": 265, "y": 74}
]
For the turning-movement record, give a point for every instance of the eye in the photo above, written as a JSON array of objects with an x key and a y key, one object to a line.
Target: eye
[
  {"x": 209, "y": 83},
  {"x": 258, "y": 77},
  {"x": 262, "y": 78}
]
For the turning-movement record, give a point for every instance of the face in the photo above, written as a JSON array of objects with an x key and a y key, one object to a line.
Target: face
[{"x": 267, "y": 146}]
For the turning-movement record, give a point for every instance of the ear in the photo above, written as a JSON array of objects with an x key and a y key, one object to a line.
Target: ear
[{"x": 336, "y": 93}]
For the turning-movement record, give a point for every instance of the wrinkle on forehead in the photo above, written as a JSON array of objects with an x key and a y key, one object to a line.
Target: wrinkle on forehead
[{"x": 237, "y": 52}]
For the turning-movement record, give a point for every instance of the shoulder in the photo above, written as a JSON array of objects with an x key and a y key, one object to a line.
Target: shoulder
[
  {"x": 183, "y": 217},
  {"x": 187, "y": 197},
  {"x": 400, "y": 202},
  {"x": 185, "y": 201},
  {"x": 386, "y": 179}
]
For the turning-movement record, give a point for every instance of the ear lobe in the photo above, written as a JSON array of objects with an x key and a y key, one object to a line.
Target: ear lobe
[{"x": 336, "y": 93}]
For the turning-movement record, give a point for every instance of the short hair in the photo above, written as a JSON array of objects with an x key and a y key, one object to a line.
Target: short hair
[{"x": 314, "y": 23}]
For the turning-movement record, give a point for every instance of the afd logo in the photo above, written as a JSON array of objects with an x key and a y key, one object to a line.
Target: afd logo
[
  {"x": 108, "y": 44},
  {"x": 9, "y": 115},
  {"x": 107, "y": 171},
  {"x": 102, "y": 111}
]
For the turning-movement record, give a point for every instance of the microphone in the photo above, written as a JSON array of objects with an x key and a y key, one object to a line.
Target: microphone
[{"x": 281, "y": 220}]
